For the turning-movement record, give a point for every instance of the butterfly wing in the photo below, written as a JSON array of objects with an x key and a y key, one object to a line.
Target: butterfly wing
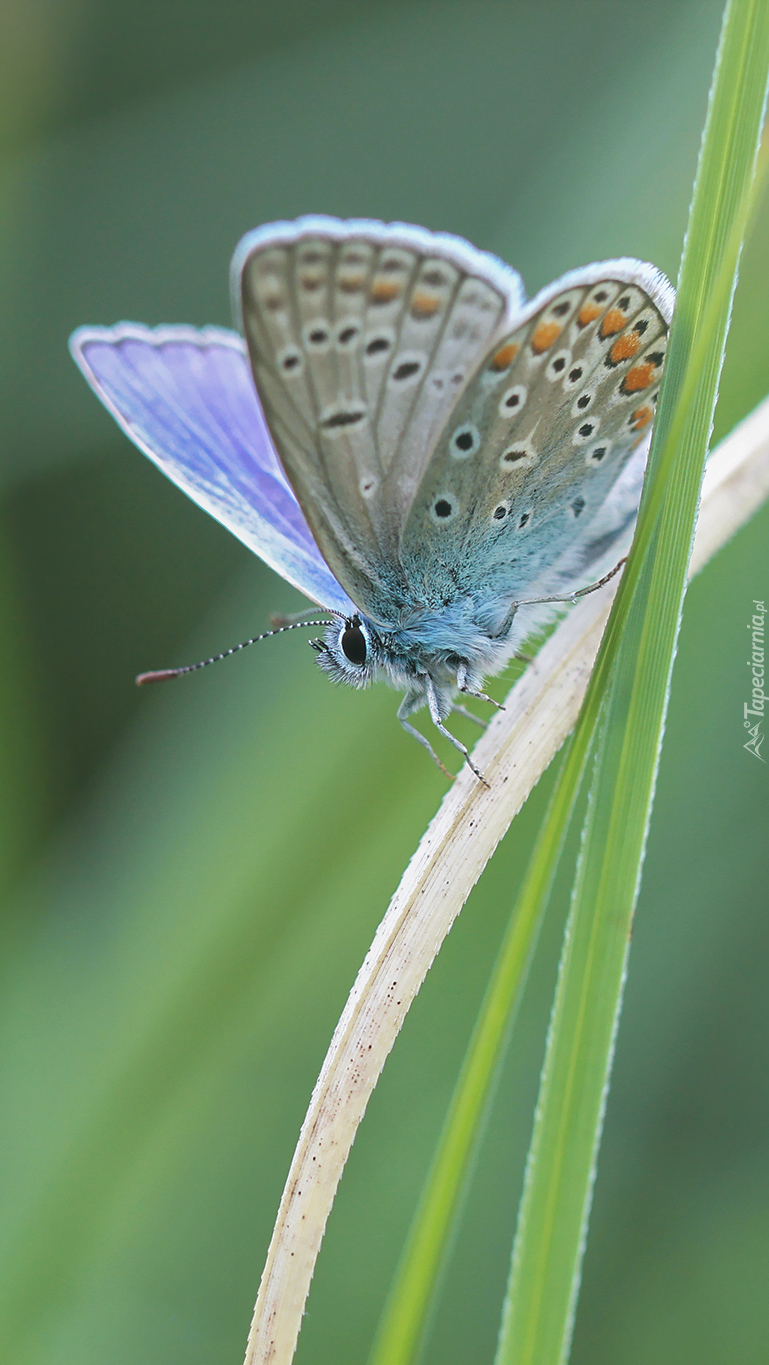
[
  {"x": 186, "y": 398},
  {"x": 361, "y": 337},
  {"x": 518, "y": 497}
]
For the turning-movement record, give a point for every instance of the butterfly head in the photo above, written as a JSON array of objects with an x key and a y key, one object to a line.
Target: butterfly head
[{"x": 349, "y": 651}]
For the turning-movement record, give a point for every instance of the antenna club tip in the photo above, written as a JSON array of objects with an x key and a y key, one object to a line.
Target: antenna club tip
[{"x": 159, "y": 675}]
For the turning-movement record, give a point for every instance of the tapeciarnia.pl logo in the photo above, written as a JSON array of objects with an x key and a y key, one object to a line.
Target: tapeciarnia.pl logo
[{"x": 753, "y": 711}]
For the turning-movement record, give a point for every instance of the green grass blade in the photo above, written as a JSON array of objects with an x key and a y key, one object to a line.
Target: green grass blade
[
  {"x": 403, "y": 1322},
  {"x": 539, "y": 1309}
]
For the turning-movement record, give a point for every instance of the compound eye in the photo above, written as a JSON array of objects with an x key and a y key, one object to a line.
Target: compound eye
[{"x": 353, "y": 644}]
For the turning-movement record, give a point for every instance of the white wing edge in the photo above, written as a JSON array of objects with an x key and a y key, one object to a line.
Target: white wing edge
[
  {"x": 197, "y": 336},
  {"x": 154, "y": 336},
  {"x": 624, "y": 268},
  {"x": 454, "y": 249}
]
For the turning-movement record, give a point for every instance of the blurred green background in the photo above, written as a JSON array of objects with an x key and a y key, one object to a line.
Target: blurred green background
[{"x": 191, "y": 877}]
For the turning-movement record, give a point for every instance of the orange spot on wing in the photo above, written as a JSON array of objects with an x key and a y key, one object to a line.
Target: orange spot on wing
[
  {"x": 640, "y": 377},
  {"x": 505, "y": 356},
  {"x": 588, "y": 313},
  {"x": 424, "y": 305},
  {"x": 642, "y": 417},
  {"x": 613, "y": 322},
  {"x": 384, "y": 291},
  {"x": 351, "y": 284},
  {"x": 544, "y": 336},
  {"x": 624, "y": 348}
]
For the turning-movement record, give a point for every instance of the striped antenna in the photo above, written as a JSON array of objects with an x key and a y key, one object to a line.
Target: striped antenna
[{"x": 161, "y": 674}]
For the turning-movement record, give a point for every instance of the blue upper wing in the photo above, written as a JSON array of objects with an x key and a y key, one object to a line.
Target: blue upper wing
[{"x": 186, "y": 398}]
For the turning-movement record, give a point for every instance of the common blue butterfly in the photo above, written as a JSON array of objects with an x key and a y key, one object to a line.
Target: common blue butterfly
[{"x": 406, "y": 440}]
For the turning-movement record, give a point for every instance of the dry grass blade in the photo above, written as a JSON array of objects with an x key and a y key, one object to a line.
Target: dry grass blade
[{"x": 514, "y": 752}]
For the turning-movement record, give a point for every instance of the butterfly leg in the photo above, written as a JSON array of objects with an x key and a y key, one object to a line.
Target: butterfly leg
[
  {"x": 463, "y": 711},
  {"x": 437, "y": 720},
  {"x": 581, "y": 592},
  {"x": 469, "y": 691},
  {"x": 409, "y": 704},
  {"x": 504, "y": 629}
]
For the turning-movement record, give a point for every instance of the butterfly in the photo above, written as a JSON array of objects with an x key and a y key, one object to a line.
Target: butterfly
[{"x": 430, "y": 459}]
